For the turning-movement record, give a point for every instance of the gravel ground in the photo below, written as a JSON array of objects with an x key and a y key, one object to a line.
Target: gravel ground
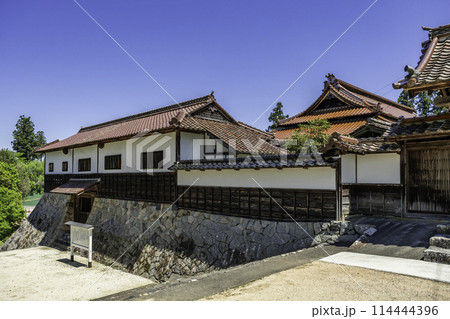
[
  {"x": 325, "y": 281},
  {"x": 44, "y": 273}
]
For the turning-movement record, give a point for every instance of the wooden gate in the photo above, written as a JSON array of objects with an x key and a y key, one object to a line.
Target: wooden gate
[{"x": 428, "y": 179}]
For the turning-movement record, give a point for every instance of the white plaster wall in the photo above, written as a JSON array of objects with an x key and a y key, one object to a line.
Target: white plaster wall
[
  {"x": 131, "y": 150},
  {"x": 379, "y": 168},
  {"x": 115, "y": 148},
  {"x": 299, "y": 178},
  {"x": 348, "y": 168},
  {"x": 85, "y": 152},
  {"x": 193, "y": 144},
  {"x": 221, "y": 150},
  {"x": 57, "y": 158},
  {"x": 187, "y": 145}
]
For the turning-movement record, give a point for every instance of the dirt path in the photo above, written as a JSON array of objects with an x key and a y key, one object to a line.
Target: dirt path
[
  {"x": 44, "y": 273},
  {"x": 324, "y": 281}
]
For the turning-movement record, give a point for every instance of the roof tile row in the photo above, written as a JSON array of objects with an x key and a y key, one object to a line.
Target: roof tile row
[{"x": 315, "y": 160}]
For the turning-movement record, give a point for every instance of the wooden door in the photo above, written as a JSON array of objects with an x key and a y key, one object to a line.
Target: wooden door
[
  {"x": 428, "y": 180},
  {"x": 83, "y": 209}
]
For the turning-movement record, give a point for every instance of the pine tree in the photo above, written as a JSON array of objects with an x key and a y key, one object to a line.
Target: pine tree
[
  {"x": 275, "y": 117},
  {"x": 25, "y": 139},
  {"x": 312, "y": 134}
]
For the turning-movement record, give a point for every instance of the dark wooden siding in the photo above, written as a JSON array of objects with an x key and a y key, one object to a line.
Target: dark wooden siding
[
  {"x": 158, "y": 187},
  {"x": 428, "y": 180},
  {"x": 256, "y": 203},
  {"x": 375, "y": 200},
  {"x": 242, "y": 202}
]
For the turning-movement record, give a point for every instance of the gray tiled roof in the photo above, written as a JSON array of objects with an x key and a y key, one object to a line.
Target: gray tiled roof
[
  {"x": 255, "y": 163},
  {"x": 344, "y": 144},
  {"x": 434, "y": 64},
  {"x": 421, "y": 126}
]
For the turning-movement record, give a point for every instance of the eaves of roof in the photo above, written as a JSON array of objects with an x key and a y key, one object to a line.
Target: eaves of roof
[
  {"x": 343, "y": 145},
  {"x": 355, "y": 98},
  {"x": 279, "y": 162},
  {"x": 433, "y": 69}
]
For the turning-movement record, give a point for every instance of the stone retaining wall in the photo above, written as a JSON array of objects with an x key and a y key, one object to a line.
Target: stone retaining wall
[
  {"x": 151, "y": 240},
  {"x": 157, "y": 244},
  {"x": 43, "y": 225}
]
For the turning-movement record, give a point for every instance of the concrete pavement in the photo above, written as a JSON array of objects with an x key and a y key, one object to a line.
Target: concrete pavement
[{"x": 402, "y": 266}]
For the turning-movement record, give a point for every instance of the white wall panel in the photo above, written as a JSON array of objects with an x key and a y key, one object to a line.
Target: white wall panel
[
  {"x": 131, "y": 150},
  {"x": 85, "y": 152},
  {"x": 187, "y": 145},
  {"x": 379, "y": 168},
  {"x": 57, "y": 158},
  {"x": 299, "y": 178},
  {"x": 348, "y": 168}
]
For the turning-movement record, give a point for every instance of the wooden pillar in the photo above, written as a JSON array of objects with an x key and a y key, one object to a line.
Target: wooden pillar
[
  {"x": 403, "y": 179},
  {"x": 177, "y": 145},
  {"x": 338, "y": 189},
  {"x": 177, "y": 159},
  {"x": 73, "y": 157}
]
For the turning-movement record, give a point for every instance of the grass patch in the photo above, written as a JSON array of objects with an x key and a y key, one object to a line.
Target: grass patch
[{"x": 32, "y": 200}]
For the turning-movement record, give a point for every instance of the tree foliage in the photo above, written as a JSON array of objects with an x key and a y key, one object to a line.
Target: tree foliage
[
  {"x": 275, "y": 116},
  {"x": 423, "y": 103},
  {"x": 11, "y": 210},
  {"x": 35, "y": 171},
  {"x": 31, "y": 173},
  {"x": 25, "y": 139},
  {"x": 314, "y": 133}
]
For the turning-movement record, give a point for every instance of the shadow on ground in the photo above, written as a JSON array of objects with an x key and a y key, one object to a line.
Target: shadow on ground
[
  {"x": 404, "y": 238},
  {"x": 75, "y": 264}
]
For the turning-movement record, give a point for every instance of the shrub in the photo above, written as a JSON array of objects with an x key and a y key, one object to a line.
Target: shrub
[{"x": 11, "y": 210}]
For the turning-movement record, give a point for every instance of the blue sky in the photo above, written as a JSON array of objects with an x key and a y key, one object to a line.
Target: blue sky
[{"x": 58, "y": 67}]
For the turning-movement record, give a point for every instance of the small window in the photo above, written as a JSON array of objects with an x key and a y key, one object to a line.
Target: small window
[
  {"x": 50, "y": 167},
  {"x": 84, "y": 164},
  {"x": 65, "y": 166},
  {"x": 152, "y": 160},
  {"x": 113, "y": 161},
  {"x": 210, "y": 149}
]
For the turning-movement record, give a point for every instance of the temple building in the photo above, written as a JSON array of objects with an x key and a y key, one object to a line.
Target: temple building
[{"x": 350, "y": 110}]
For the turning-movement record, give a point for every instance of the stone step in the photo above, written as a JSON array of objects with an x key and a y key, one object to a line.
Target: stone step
[
  {"x": 443, "y": 229},
  {"x": 437, "y": 255},
  {"x": 440, "y": 240}
]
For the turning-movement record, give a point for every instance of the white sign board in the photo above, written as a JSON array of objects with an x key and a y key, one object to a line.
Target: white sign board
[{"x": 81, "y": 237}]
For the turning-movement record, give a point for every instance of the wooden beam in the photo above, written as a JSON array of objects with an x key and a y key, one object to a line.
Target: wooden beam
[{"x": 178, "y": 145}]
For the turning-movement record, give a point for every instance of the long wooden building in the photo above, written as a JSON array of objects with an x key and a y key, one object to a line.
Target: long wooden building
[
  {"x": 349, "y": 109},
  {"x": 194, "y": 149}
]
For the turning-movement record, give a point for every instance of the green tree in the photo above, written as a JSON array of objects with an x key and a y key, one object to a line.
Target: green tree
[
  {"x": 313, "y": 133},
  {"x": 275, "y": 116},
  {"x": 11, "y": 210},
  {"x": 36, "y": 176},
  {"x": 8, "y": 156},
  {"x": 31, "y": 173},
  {"x": 423, "y": 103},
  {"x": 24, "y": 179},
  {"x": 25, "y": 139}
]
